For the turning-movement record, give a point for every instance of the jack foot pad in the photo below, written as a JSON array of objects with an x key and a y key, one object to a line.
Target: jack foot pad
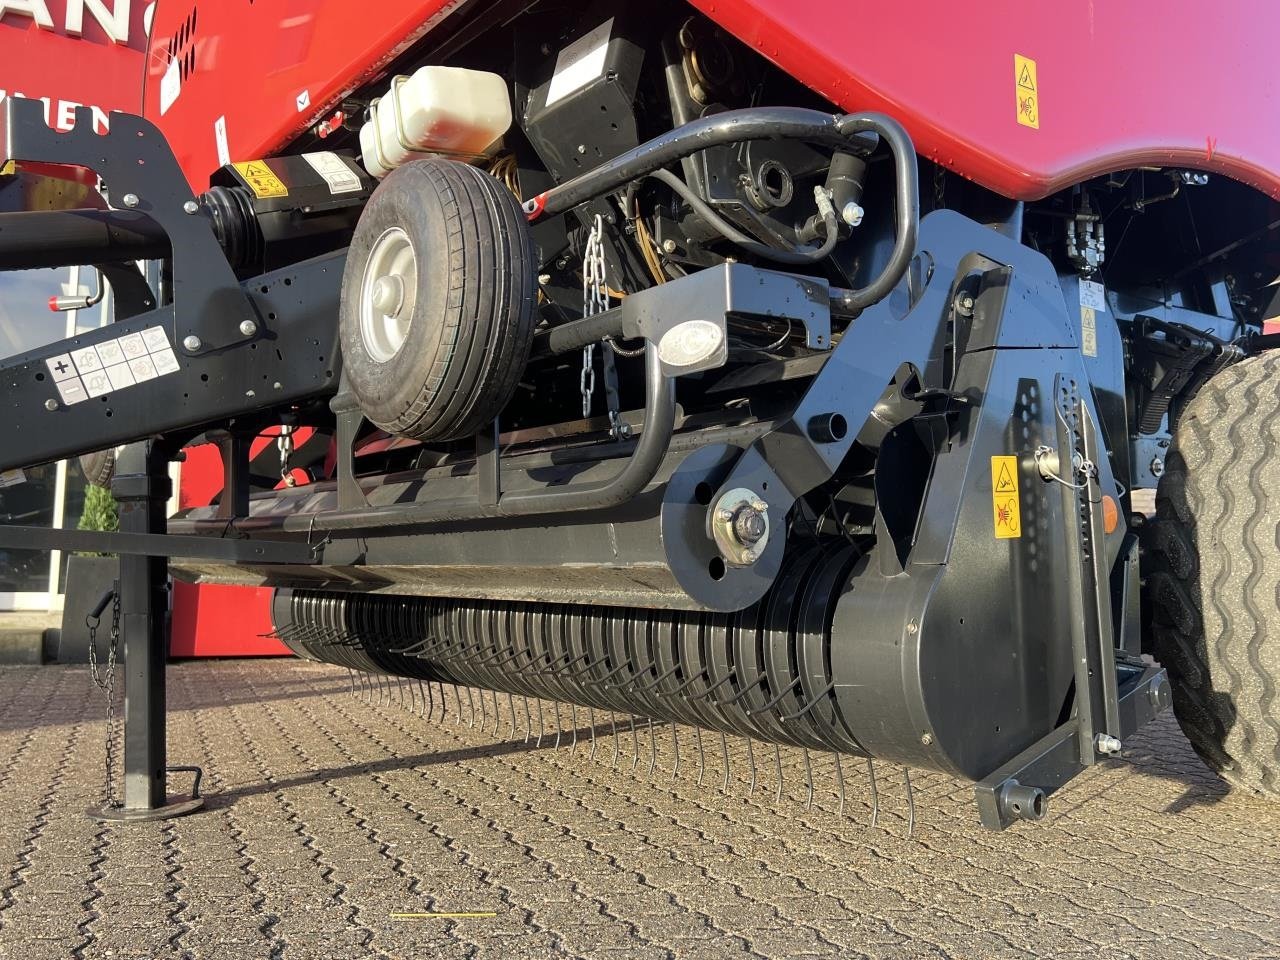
[{"x": 175, "y": 808}]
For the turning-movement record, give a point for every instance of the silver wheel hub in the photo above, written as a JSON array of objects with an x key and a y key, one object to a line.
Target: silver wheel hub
[{"x": 388, "y": 294}]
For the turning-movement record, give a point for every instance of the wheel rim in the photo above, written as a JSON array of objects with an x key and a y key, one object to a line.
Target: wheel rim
[{"x": 388, "y": 293}]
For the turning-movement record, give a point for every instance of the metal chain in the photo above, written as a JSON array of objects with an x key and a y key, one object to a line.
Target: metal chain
[
  {"x": 107, "y": 684},
  {"x": 594, "y": 301},
  {"x": 285, "y": 444}
]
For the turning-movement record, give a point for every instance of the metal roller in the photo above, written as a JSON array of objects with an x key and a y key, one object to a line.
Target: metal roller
[{"x": 761, "y": 673}]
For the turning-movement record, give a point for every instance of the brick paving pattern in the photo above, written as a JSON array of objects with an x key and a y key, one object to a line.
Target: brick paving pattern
[{"x": 331, "y": 813}]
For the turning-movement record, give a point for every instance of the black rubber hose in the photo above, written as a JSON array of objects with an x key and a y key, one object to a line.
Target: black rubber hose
[
  {"x": 750, "y": 245},
  {"x": 906, "y": 205},
  {"x": 732, "y": 126}
]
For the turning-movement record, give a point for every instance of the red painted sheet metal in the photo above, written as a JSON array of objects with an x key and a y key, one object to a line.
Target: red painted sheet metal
[
  {"x": 1120, "y": 84},
  {"x": 270, "y": 69},
  {"x": 47, "y": 62},
  {"x": 217, "y": 621}
]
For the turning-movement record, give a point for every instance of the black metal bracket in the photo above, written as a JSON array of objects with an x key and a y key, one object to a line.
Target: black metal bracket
[
  {"x": 127, "y": 543},
  {"x": 1018, "y": 790},
  {"x": 142, "y": 175}
]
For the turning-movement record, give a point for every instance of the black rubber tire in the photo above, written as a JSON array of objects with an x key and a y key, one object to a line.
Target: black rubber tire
[
  {"x": 471, "y": 328},
  {"x": 98, "y": 467},
  {"x": 1211, "y": 573}
]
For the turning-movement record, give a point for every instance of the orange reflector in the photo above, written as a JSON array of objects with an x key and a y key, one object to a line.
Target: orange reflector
[{"x": 1110, "y": 514}]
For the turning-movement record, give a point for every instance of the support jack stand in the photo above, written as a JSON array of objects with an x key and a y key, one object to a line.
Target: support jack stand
[{"x": 142, "y": 488}]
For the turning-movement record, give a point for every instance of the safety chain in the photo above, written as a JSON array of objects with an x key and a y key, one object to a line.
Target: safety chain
[
  {"x": 107, "y": 684},
  {"x": 285, "y": 444},
  {"x": 594, "y": 301}
]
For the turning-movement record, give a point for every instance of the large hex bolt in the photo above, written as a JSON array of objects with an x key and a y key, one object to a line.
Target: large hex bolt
[{"x": 740, "y": 527}]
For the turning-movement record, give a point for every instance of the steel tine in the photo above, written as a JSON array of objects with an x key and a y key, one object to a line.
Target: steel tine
[
  {"x": 591, "y": 721},
  {"x": 573, "y": 714},
  {"x": 497, "y": 714},
  {"x": 839, "y": 781},
  {"x": 875, "y": 793},
  {"x": 653, "y": 750},
  {"x": 808, "y": 775},
  {"x": 541, "y": 725},
  {"x": 675, "y": 745},
  {"x": 511, "y": 713},
  {"x": 423, "y": 690},
  {"x": 528, "y": 720},
  {"x": 384, "y": 693},
  {"x": 613, "y": 723},
  {"x": 413, "y": 704},
  {"x": 724, "y": 755},
  {"x": 400, "y": 692},
  {"x": 471, "y": 710},
  {"x": 911, "y": 803},
  {"x": 457, "y": 702},
  {"x": 702, "y": 759},
  {"x": 635, "y": 745},
  {"x": 351, "y": 675},
  {"x": 484, "y": 713},
  {"x": 556, "y": 703},
  {"x": 751, "y": 759},
  {"x": 777, "y": 762}
]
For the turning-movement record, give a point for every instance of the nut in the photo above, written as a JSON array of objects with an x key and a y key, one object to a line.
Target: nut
[
  {"x": 248, "y": 328},
  {"x": 191, "y": 343},
  {"x": 1106, "y": 744},
  {"x": 130, "y": 200},
  {"x": 191, "y": 208},
  {"x": 669, "y": 246},
  {"x": 51, "y": 405}
]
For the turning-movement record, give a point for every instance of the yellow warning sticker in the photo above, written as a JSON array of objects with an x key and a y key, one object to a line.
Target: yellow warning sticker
[
  {"x": 1089, "y": 331},
  {"x": 1006, "y": 504},
  {"x": 261, "y": 180},
  {"x": 1027, "y": 90}
]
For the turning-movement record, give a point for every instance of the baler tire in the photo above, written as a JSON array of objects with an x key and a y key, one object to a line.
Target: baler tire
[
  {"x": 472, "y": 320},
  {"x": 1211, "y": 573}
]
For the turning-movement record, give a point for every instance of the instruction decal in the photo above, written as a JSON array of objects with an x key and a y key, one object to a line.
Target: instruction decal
[
  {"x": 1005, "y": 501},
  {"x": 261, "y": 180},
  {"x": 1027, "y": 90},
  {"x": 112, "y": 365},
  {"x": 335, "y": 172}
]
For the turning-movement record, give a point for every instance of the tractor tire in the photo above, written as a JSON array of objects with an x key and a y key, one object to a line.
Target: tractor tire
[
  {"x": 438, "y": 300},
  {"x": 1211, "y": 573}
]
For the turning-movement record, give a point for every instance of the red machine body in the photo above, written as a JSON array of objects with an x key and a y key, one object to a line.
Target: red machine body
[{"x": 1113, "y": 86}]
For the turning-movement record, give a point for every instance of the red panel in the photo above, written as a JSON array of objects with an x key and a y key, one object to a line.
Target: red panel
[
  {"x": 1121, "y": 84},
  {"x": 67, "y": 71},
  {"x": 216, "y": 621},
  {"x": 272, "y": 69}
]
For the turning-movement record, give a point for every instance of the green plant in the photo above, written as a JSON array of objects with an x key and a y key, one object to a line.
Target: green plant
[{"x": 99, "y": 512}]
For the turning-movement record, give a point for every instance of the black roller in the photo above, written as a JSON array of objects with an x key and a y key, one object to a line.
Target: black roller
[{"x": 762, "y": 673}]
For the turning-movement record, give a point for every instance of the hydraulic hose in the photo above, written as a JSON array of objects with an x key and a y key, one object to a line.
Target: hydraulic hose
[
  {"x": 736, "y": 236},
  {"x": 906, "y": 204}
]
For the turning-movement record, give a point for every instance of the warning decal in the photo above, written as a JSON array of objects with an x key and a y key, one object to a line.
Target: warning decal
[
  {"x": 261, "y": 180},
  {"x": 1006, "y": 505},
  {"x": 1027, "y": 91},
  {"x": 1088, "y": 331}
]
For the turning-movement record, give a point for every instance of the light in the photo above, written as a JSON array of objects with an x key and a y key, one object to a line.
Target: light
[{"x": 693, "y": 345}]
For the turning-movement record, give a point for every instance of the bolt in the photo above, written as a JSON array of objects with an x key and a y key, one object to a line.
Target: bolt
[
  {"x": 51, "y": 405},
  {"x": 191, "y": 343},
  {"x": 1157, "y": 467},
  {"x": 966, "y": 304},
  {"x": 544, "y": 279},
  {"x": 248, "y": 328},
  {"x": 1107, "y": 744},
  {"x": 749, "y": 526},
  {"x": 852, "y": 214},
  {"x": 927, "y": 739},
  {"x": 277, "y": 385},
  {"x": 191, "y": 208},
  {"x": 913, "y": 628},
  {"x": 582, "y": 148},
  {"x": 725, "y": 514},
  {"x": 669, "y": 246},
  {"x": 760, "y": 506},
  {"x": 130, "y": 200},
  {"x": 751, "y": 556}
]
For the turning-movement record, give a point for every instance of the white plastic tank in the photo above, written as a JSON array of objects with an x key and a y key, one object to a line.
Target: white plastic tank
[{"x": 447, "y": 110}]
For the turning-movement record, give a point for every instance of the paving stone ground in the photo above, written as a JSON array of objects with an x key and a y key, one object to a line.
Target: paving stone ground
[{"x": 330, "y": 814}]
